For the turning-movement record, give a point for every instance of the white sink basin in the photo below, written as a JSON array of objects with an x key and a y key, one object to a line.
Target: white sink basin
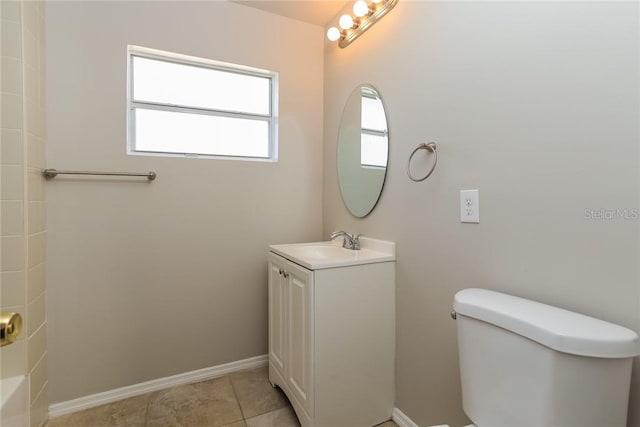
[
  {"x": 320, "y": 255},
  {"x": 324, "y": 251}
]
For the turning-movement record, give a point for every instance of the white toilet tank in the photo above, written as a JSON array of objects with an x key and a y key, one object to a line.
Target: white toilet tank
[{"x": 526, "y": 364}]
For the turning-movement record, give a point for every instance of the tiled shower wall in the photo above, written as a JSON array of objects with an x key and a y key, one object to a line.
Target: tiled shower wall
[
  {"x": 23, "y": 202},
  {"x": 13, "y": 290}
]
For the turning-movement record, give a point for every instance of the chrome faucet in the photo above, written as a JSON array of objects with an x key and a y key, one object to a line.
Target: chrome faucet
[{"x": 349, "y": 241}]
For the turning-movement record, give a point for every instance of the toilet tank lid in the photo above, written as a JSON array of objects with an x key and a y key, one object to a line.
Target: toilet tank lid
[{"x": 554, "y": 327}]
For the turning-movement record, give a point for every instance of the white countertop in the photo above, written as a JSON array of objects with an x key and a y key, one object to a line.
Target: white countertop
[{"x": 319, "y": 255}]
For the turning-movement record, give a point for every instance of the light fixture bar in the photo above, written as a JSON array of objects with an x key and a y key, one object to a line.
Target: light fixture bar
[{"x": 364, "y": 23}]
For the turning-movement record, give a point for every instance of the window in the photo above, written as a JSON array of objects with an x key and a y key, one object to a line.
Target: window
[
  {"x": 373, "y": 139},
  {"x": 181, "y": 105}
]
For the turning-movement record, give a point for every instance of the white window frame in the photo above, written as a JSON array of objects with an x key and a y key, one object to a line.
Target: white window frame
[
  {"x": 374, "y": 132},
  {"x": 176, "y": 58}
]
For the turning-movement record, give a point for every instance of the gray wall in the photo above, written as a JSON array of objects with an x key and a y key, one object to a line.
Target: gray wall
[
  {"x": 534, "y": 104},
  {"x": 148, "y": 280}
]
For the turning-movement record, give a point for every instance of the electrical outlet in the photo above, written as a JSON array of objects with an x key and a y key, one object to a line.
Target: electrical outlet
[{"x": 469, "y": 206}]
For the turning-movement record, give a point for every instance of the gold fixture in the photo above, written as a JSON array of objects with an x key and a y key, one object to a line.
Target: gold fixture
[
  {"x": 367, "y": 13},
  {"x": 10, "y": 327}
]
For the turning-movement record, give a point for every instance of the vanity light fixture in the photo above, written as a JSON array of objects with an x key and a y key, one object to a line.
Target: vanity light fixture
[
  {"x": 346, "y": 22},
  {"x": 367, "y": 13}
]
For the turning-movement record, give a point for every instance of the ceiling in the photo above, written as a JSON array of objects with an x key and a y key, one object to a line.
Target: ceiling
[{"x": 318, "y": 12}]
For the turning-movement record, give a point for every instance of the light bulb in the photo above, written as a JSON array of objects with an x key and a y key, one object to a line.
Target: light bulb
[
  {"x": 346, "y": 21},
  {"x": 360, "y": 8},
  {"x": 333, "y": 34},
  {"x": 376, "y": 1}
]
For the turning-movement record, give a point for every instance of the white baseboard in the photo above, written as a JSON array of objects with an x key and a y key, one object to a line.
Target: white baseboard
[
  {"x": 93, "y": 400},
  {"x": 403, "y": 420}
]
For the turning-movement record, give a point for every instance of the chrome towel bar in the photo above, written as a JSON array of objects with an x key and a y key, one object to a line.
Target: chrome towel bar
[{"x": 52, "y": 173}]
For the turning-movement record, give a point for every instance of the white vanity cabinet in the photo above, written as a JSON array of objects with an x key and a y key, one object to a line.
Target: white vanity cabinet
[
  {"x": 332, "y": 336},
  {"x": 291, "y": 327}
]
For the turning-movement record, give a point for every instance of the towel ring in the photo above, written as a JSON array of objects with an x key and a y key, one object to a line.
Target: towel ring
[{"x": 430, "y": 147}]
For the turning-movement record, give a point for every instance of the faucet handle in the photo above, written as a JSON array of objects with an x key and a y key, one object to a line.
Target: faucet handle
[
  {"x": 355, "y": 239},
  {"x": 350, "y": 241}
]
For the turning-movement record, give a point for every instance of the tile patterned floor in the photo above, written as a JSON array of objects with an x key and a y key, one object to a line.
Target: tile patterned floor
[{"x": 241, "y": 399}]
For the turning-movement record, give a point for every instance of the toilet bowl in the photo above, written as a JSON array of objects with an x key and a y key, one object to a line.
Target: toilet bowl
[{"x": 528, "y": 364}]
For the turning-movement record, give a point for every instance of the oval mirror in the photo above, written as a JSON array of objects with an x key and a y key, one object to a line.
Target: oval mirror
[{"x": 363, "y": 149}]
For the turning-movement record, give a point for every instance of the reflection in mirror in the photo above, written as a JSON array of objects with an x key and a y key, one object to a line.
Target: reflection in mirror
[{"x": 363, "y": 147}]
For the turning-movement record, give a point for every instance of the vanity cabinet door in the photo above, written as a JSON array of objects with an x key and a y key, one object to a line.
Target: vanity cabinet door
[
  {"x": 299, "y": 321},
  {"x": 277, "y": 312}
]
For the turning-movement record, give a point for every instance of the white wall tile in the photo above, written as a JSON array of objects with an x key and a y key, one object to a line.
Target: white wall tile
[
  {"x": 41, "y": 20},
  {"x": 35, "y": 151},
  {"x": 43, "y": 131},
  {"x": 31, "y": 56},
  {"x": 11, "y": 117},
  {"x": 35, "y": 281},
  {"x": 42, "y": 68},
  {"x": 31, "y": 83},
  {"x": 30, "y": 18},
  {"x": 11, "y": 75},
  {"x": 33, "y": 218},
  {"x": 36, "y": 314},
  {"x": 12, "y": 182},
  {"x": 33, "y": 122},
  {"x": 43, "y": 246},
  {"x": 12, "y": 256},
  {"x": 12, "y": 288},
  {"x": 35, "y": 222},
  {"x": 35, "y": 185},
  {"x": 11, "y": 219},
  {"x": 38, "y": 378},
  {"x": 11, "y": 147},
  {"x": 44, "y": 206},
  {"x": 13, "y": 360},
  {"x": 35, "y": 249},
  {"x": 22, "y": 86},
  {"x": 10, "y": 10},
  {"x": 37, "y": 345},
  {"x": 11, "y": 43},
  {"x": 39, "y": 408}
]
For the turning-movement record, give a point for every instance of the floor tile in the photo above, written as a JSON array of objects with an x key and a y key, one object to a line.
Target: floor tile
[
  {"x": 88, "y": 417},
  {"x": 255, "y": 393},
  {"x": 242, "y": 399},
  {"x": 130, "y": 412},
  {"x": 284, "y": 417},
  {"x": 125, "y": 413},
  {"x": 209, "y": 403}
]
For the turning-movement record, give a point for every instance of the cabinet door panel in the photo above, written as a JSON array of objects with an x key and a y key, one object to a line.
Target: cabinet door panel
[
  {"x": 300, "y": 334},
  {"x": 277, "y": 315}
]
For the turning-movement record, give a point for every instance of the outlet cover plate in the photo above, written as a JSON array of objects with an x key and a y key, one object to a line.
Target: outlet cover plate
[{"x": 470, "y": 206}]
